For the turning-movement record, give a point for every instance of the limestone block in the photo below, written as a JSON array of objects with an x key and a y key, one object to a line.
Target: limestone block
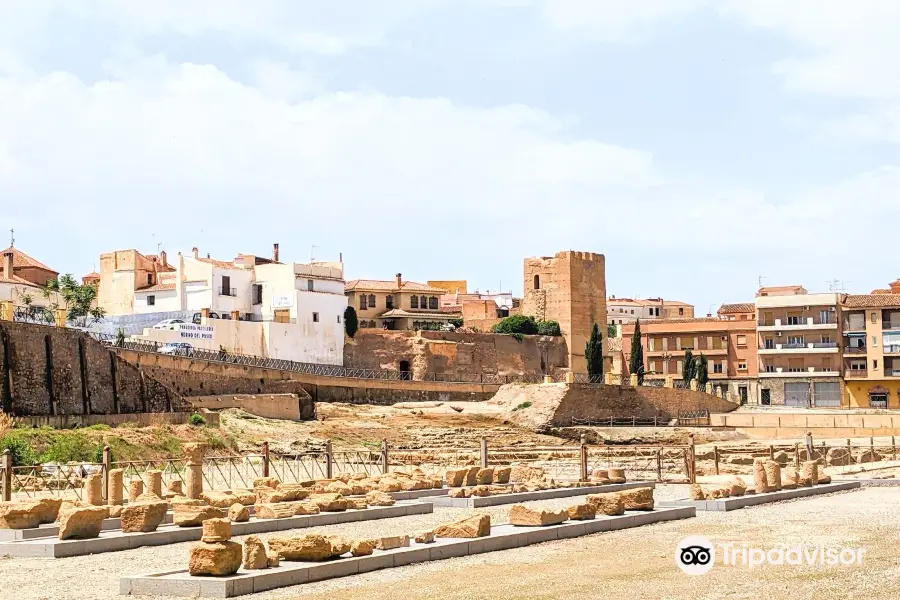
[
  {"x": 583, "y": 511},
  {"x": 472, "y": 475},
  {"x": 600, "y": 476},
  {"x": 94, "y": 487},
  {"x": 697, "y": 492},
  {"x": 305, "y": 508},
  {"x": 276, "y": 510},
  {"x": 389, "y": 484},
  {"x": 809, "y": 473},
  {"x": 521, "y": 515},
  {"x": 476, "y": 526},
  {"x": 135, "y": 489},
  {"x": 310, "y": 547},
  {"x": 19, "y": 515},
  {"x": 329, "y": 502},
  {"x": 272, "y": 559},
  {"x": 637, "y": 498},
  {"x": 185, "y": 515},
  {"x": 484, "y": 476},
  {"x": 481, "y": 491},
  {"x": 736, "y": 487},
  {"x": 773, "y": 475},
  {"x": 81, "y": 523},
  {"x": 357, "y": 503},
  {"x": 238, "y": 513},
  {"x": 376, "y": 498},
  {"x": 437, "y": 482},
  {"x": 719, "y": 492},
  {"x": 617, "y": 475},
  {"x": 244, "y": 496},
  {"x": 174, "y": 487},
  {"x": 115, "y": 511},
  {"x": 339, "y": 487},
  {"x": 116, "y": 489},
  {"x": 760, "y": 481},
  {"x": 610, "y": 504},
  {"x": 143, "y": 516},
  {"x": 362, "y": 547},
  {"x": 193, "y": 479},
  {"x": 220, "y": 558},
  {"x": 148, "y": 497},
  {"x": 47, "y": 508},
  {"x": 268, "y": 495},
  {"x": 523, "y": 473},
  {"x": 292, "y": 491},
  {"x": 824, "y": 478},
  {"x": 271, "y": 482},
  {"x": 340, "y": 544},
  {"x": 425, "y": 537},
  {"x": 154, "y": 482},
  {"x": 193, "y": 453},
  {"x": 838, "y": 457},
  {"x": 255, "y": 554},
  {"x": 216, "y": 530},
  {"x": 789, "y": 478},
  {"x": 392, "y": 542},
  {"x": 501, "y": 474},
  {"x": 460, "y": 492},
  {"x": 455, "y": 477},
  {"x": 186, "y": 501}
]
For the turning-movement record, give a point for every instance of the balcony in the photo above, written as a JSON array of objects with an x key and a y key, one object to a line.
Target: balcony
[
  {"x": 856, "y": 374},
  {"x": 805, "y": 348},
  {"x": 855, "y": 350},
  {"x": 888, "y": 325},
  {"x": 793, "y": 324},
  {"x": 809, "y": 372},
  {"x": 892, "y": 349},
  {"x": 228, "y": 291}
]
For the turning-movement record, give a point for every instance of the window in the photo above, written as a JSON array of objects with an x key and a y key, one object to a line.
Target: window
[
  {"x": 873, "y": 318},
  {"x": 769, "y": 344},
  {"x": 226, "y": 286},
  {"x": 414, "y": 302},
  {"x": 389, "y": 302},
  {"x": 371, "y": 300},
  {"x": 651, "y": 366},
  {"x": 537, "y": 282},
  {"x": 151, "y": 300},
  {"x": 423, "y": 302},
  {"x": 823, "y": 316},
  {"x": 795, "y": 341},
  {"x": 742, "y": 340},
  {"x": 826, "y": 339},
  {"x": 687, "y": 343},
  {"x": 874, "y": 342},
  {"x": 310, "y": 286},
  {"x": 765, "y": 397},
  {"x": 339, "y": 318},
  {"x": 149, "y": 278},
  {"x": 742, "y": 366},
  {"x": 433, "y": 303},
  {"x": 678, "y": 366},
  {"x": 681, "y": 311},
  {"x": 718, "y": 368},
  {"x": 257, "y": 293},
  {"x": 770, "y": 368},
  {"x": 875, "y": 364},
  {"x": 632, "y": 311},
  {"x": 795, "y": 320},
  {"x": 315, "y": 317},
  {"x": 362, "y": 302}
]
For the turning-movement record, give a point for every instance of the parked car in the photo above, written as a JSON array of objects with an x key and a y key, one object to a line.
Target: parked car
[
  {"x": 196, "y": 318},
  {"x": 177, "y": 349},
  {"x": 170, "y": 324}
]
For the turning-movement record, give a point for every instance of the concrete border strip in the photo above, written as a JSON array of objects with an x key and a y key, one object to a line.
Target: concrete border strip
[
  {"x": 482, "y": 502},
  {"x": 728, "y": 504}
]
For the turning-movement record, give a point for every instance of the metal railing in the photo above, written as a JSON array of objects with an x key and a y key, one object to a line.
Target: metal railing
[
  {"x": 825, "y": 345},
  {"x": 228, "y": 291},
  {"x": 855, "y": 349},
  {"x": 33, "y": 314}
]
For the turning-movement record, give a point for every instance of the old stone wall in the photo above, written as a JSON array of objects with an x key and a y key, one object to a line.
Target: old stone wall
[
  {"x": 451, "y": 354},
  {"x": 53, "y": 371}
]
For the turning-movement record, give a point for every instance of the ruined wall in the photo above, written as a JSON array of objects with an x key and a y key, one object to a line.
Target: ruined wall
[
  {"x": 463, "y": 355},
  {"x": 53, "y": 371}
]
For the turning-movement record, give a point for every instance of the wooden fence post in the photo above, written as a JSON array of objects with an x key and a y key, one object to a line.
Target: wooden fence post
[
  {"x": 329, "y": 460},
  {"x": 484, "y": 453},
  {"x": 107, "y": 466},
  {"x": 893, "y": 449},
  {"x": 659, "y": 464},
  {"x": 6, "y": 479},
  {"x": 771, "y": 452},
  {"x": 797, "y": 456},
  {"x": 385, "y": 464},
  {"x": 809, "y": 445},
  {"x": 583, "y": 463},
  {"x": 692, "y": 456},
  {"x": 716, "y": 458},
  {"x": 265, "y": 458}
]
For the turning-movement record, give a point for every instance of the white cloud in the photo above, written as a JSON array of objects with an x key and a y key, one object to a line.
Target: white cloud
[{"x": 613, "y": 20}]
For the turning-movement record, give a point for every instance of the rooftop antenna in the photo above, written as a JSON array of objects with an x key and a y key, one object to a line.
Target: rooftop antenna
[
  {"x": 312, "y": 252},
  {"x": 837, "y": 285},
  {"x": 12, "y": 237},
  {"x": 760, "y": 280}
]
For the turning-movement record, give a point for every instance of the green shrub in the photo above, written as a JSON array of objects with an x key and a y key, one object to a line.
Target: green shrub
[
  {"x": 70, "y": 447},
  {"x": 522, "y": 406},
  {"x": 20, "y": 449},
  {"x": 457, "y": 323},
  {"x": 97, "y": 427},
  {"x": 549, "y": 328},
  {"x": 517, "y": 324},
  {"x": 197, "y": 421}
]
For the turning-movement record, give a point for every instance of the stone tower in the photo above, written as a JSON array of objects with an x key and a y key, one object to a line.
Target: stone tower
[{"x": 569, "y": 288}]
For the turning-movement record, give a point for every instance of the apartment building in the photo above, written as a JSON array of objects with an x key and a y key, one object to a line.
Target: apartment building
[
  {"x": 871, "y": 349},
  {"x": 621, "y": 311},
  {"x": 729, "y": 346},
  {"x": 799, "y": 347},
  {"x": 398, "y": 304}
]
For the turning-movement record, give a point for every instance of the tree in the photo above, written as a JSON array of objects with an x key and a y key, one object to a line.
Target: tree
[
  {"x": 593, "y": 353},
  {"x": 701, "y": 370},
  {"x": 517, "y": 324},
  {"x": 79, "y": 300},
  {"x": 687, "y": 368},
  {"x": 636, "y": 366},
  {"x": 612, "y": 331},
  {"x": 351, "y": 322},
  {"x": 549, "y": 328}
]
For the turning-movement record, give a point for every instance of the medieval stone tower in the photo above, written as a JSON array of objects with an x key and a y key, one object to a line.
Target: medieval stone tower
[{"x": 569, "y": 288}]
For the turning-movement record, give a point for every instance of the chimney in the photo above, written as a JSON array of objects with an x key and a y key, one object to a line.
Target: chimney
[
  {"x": 162, "y": 259},
  {"x": 207, "y": 255},
  {"x": 8, "y": 265},
  {"x": 274, "y": 252},
  {"x": 196, "y": 252},
  {"x": 399, "y": 280}
]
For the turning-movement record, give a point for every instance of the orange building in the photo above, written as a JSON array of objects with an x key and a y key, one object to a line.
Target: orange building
[{"x": 729, "y": 345}]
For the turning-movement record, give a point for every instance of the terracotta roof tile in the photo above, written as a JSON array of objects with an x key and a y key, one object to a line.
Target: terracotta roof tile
[
  {"x": 17, "y": 280},
  {"x": 871, "y": 300},
  {"x": 222, "y": 264},
  {"x": 742, "y": 307},
  {"x": 23, "y": 261},
  {"x": 377, "y": 285}
]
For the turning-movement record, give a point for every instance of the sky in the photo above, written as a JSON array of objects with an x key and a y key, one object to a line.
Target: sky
[{"x": 700, "y": 145}]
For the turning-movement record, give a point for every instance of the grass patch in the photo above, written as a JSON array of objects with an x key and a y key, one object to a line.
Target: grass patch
[
  {"x": 197, "y": 420},
  {"x": 97, "y": 427},
  {"x": 522, "y": 406}
]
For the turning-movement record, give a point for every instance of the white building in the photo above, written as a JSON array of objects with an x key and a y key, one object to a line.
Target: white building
[{"x": 623, "y": 311}]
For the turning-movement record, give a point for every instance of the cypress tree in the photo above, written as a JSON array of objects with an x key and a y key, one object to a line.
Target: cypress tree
[
  {"x": 636, "y": 365},
  {"x": 351, "y": 322},
  {"x": 687, "y": 367},
  {"x": 593, "y": 353},
  {"x": 702, "y": 370}
]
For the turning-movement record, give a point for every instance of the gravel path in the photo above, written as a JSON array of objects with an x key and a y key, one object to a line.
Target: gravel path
[{"x": 632, "y": 564}]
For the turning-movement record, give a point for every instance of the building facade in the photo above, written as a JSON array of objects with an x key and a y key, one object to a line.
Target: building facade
[
  {"x": 728, "y": 345},
  {"x": 871, "y": 350},
  {"x": 398, "y": 304},
  {"x": 621, "y": 311},
  {"x": 22, "y": 279},
  {"x": 799, "y": 348},
  {"x": 569, "y": 288}
]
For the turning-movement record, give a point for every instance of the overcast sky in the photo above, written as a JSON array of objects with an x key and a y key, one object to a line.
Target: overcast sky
[{"x": 698, "y": 144}]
